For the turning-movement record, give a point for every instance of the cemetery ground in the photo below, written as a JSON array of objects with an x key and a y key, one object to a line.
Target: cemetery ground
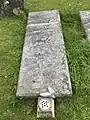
[{"x": 12, "y": 34}]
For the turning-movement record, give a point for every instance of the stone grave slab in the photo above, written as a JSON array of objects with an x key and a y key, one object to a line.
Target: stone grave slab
[
  {"x": 85, "y": 17},
  {"x": 44, "y": 61}
]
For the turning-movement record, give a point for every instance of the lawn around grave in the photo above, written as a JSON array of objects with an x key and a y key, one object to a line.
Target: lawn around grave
[{"x": 12, "y": 33}]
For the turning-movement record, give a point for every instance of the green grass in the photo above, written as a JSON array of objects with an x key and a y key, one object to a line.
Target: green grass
[{"x": 12, "y": 32}]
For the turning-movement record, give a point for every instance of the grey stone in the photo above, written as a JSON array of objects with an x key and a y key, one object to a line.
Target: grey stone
[
  {"x": 44, "y": 61},
  {"x": 43, "y": 17},
  {"x": 7, "y": 6},
  {"x": 85, "y": 17}
]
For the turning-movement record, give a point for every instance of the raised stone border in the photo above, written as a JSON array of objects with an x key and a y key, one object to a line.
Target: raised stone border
[
  {"x": 44, "y": 59},
  {"x": 85, "y": 17}
]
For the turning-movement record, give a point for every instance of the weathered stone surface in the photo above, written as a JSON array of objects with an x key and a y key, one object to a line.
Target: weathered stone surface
[
  {"x": 7, "y": 6},
  {"x": 44, "y": 59},
  {"x": 85, "y": 17},
  {"x": 43, "y": 17}
]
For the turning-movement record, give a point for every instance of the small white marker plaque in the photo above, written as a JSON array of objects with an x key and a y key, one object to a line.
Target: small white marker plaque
[{"x": 45, "y": 107}]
